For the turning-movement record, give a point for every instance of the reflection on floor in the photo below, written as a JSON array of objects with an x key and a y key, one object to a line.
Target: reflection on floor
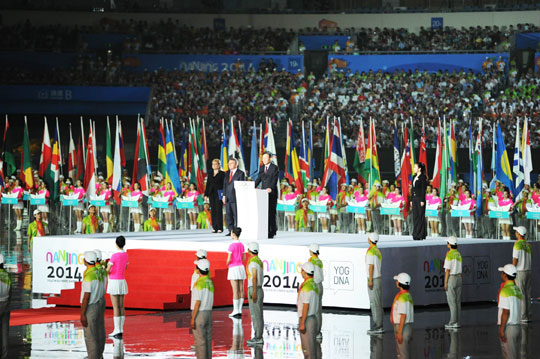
[{"x": 167, "y": 335}]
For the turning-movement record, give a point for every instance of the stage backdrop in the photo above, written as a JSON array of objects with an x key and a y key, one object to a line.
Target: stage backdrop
[{"x": 58, "y": 264}]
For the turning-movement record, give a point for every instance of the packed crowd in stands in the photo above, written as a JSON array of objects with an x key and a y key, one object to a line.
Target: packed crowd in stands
[{"x": 173, "y": 36}]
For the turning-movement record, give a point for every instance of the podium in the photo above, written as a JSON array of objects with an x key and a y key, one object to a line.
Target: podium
[{"x": 252, "y": 210}]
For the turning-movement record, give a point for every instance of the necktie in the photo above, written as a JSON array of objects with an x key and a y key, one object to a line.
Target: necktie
[
  {"x": 230, "y": 176},
  {"x": 265, "y": 169}
]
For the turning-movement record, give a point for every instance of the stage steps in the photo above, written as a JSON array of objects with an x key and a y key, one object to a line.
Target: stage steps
[{"x": 160, "y": 280}]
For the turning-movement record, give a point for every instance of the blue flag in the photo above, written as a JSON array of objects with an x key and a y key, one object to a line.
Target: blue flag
[
  {"x": 172, "y": 168},
  {"x": 254, "y": 160}
]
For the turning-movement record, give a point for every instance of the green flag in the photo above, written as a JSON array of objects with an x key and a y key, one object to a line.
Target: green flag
[{"x": 11, "y": 166}]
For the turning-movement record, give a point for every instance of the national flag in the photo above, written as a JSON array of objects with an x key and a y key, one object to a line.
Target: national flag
[
  {"x": 479, "y": 169},
  {"x": 269, "y": 143},
  {"x": 397, "y": 157},
  {"x": 141, "y": 160},
  {"x": 80, "y": 161},
  {"x": 471, "y": 159},
  {"x": 310, "y": 159},
  {"x": 372, "y": 157},
  {"x": 162, "y": 159},
  {"x": 519, "y": 180},
  {"x": 224, "y": 157},
  {"x": 234, "y": 149},
  {"x": 335, "y": 164},
  {"x": 172, "y": 169},
  {"x": 344, "y": 153},
  {"x": 405, "y": 173},
  {"x": 204, "y": 148},
  {"x": 292, "y": 166},
  {"x": 437, "y": 167},
  {"x": 526, "y": 150},
  {"x": 327, "y": 145},
  {"x": 72, "y": 156},
  {"x": 26, "y": 169},
  {"x": 83, "y": 144},
  {"x": 90, "y": 170},
  {"x": 411, "y": 139},
  {"x": 503, "y": 172},
  {"x": 109, "y": 155},
  {"x": 422, "y": 157},
  {"x": 54, "y": 172},
  {"x": 147, "y": 153},
  {"x": 60, "y": 154},
  {"x": 445, "y": 163},
  {"x": 117, "y": 161},
  {"x": 453, "y": 153},
  {"x": 11, "y": 166},
  {"x": 46, "y": 152},
  {"x": 94, "y": 143},
  {"x": 240, "y": 144},
  {"x": 261, "y": 144},
  {"x": 302, "y": 159},
  {"x": 195, "y": 175},
  {"x": 254, "y": 160},
  {"x": 5, "y": 131},
  {"x": 122, "y": 154},
  {"x": 493, "y": 183},
  {"x": 359, "y": 163}
]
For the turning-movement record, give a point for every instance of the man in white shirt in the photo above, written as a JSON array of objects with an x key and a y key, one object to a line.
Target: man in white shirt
[
  {"x": 92, "y": 317},
  {"x": 5, "y": 301},
  {"x": 453, "y": 282},
  {"x": 521, "y": 258},
  {"x": 373, "y": 270},
  {"x": 307, "y": 306},
  {"x": 318, "y": 278},
  {"x": 402, "y": 315},
  {"x": 255, "y": 294},
  {"x": 508, "y": 318},
  {"x": 201, "y": 311}
]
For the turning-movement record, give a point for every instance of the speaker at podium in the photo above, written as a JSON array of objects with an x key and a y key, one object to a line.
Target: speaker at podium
[{"x": 252, "y": 208}]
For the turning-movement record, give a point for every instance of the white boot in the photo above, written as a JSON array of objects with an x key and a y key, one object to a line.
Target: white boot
[
  {"x": 333, "y": 228},
  {"x": 79, "y": 227},
  {"x": 116, "y": 329},
  {"x": 325, "y": 230},
  {"x": 192, "y": 226},
  {"x": 19, "y": 225},
  {"x": 168, "y": 227},
  {"x": 360, "y": 231},
  {"x": 235, "y": 305},
  {"x": 368, "y": 225},
  {"x": 290, "y": 229},
  {"x": 122, "y": 320},
  {"x": 240, "y": 303},
  {"x": 137, "y": 227},
  {"x": 105, "y": 227}
]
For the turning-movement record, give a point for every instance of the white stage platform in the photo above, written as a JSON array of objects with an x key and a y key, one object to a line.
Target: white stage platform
[{"x": 57, "y": 263}]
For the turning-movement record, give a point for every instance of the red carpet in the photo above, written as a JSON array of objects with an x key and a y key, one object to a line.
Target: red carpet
[{"x": 56, "y": 314}]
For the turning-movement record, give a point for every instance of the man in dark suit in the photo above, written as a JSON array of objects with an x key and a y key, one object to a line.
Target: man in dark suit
[
  {"x": 268, "y": 179},
  {"x": 229, "y": 194}
]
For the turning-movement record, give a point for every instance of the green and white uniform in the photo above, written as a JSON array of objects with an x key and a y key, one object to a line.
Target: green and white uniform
[
  {"x": 403, "y": 304},
  {"x": 94, "y": 333},
  {"x": 374, "y": 257},
  {"x": 453, "y": 263},
  {"x": 309, "y": 293},
  {"x": 510, "y": 298},
  {"x": 318, "y": 278},
  {"x": 523, "y": 253},
  {"x": 256, "y": 308},
  {"x": 203, "y": 291}
]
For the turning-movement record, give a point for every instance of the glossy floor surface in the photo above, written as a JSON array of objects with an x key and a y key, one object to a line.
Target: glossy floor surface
[{"x": 167, "y": 335}]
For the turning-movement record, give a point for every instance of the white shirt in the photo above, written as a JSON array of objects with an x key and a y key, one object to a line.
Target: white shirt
[
  {"x": 308, "y": 295},
  {"x": 453, "y": 262},
  {"x": 91, "y": 284},
  {"x": 260, "y": 277},
  {"x": 522, "y": 252},
  {"x": 372, "y": 258},
  {"x": 204, "y": 293},
  {"x": 403, "y": 307},
  {"x": 508, "y": 300}
]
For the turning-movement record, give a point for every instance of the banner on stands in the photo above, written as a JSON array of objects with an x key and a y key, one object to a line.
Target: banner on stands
[{"x": 210, "y": 63}]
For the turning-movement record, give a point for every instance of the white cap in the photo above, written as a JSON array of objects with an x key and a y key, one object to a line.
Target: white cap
[
  {"x": 377, "y": 184},
  {"x": 99, "y": 255},
  {"x": 314, "y": 247},
  {"x": 201, "y": 253},
  {"x": 100, "y": 177},
  {"x": 385, "y": 181},
  {"x": 509, "y": 269},
  {"x": 305, "y": 200},
  {"x": 354, "y": 180},
  {"x": 2, "y": 259},
  {"x": 36, "y": 211},
  {"x": 203, "y": 264},
  {"x": 253, "y": 246},
  {"x": 521, "y": 230},
  {"x": 403, "y": 278},
  {"x": 90, "y": 257},
  {"x": 91, "y": 205},
  {"x": 151, "y": 209},
  {"x": 452, "y": 240},
  {"x": 308, "y": 268},
  {"x": 374, "y": 237}
]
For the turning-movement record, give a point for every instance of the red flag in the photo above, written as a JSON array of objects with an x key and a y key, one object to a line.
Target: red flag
[
  {"x": 5, "y": 130},
  {"x": 90, "y": 171},
  {"x": 80, "y": 159},
  {"x": 135, "y": 160},
  {"x": 438, "y": 161},
  {"x": 46, "y": 152},
  {"x": 422, "y": 158},
  {"x": 405, "y": 172}
]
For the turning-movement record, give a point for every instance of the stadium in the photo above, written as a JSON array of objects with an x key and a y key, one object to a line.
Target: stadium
[{"x": 305, "y": 154}]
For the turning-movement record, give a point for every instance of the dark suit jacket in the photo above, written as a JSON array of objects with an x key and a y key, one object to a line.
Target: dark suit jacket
[
  {"x": 214, "y": 183},
  {"x": 419, "y": 189},
  {"x": 268, "y": 179},
  {"x": 228, "y": 187}
]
